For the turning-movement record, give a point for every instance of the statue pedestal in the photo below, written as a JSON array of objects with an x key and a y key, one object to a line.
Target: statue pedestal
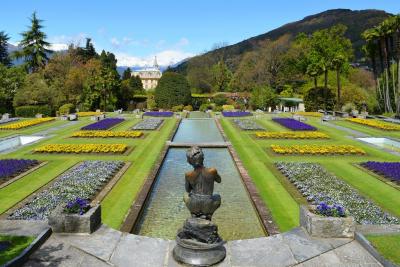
[{"x": 199, "y": 244}]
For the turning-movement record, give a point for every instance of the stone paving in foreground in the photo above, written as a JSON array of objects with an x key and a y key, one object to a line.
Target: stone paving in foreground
[{"x": 108, "y": 247}]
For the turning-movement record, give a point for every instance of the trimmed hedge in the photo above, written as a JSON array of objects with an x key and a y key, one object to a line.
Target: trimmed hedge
[
  {"x": 31, "y": 111},
  {"x": 67, "y": 109}
]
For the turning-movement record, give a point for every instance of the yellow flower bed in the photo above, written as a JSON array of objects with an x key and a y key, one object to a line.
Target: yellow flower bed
[
  {"x": 311, "y": 114},
  {"x": 82, "y": 148},
  {"x": 292, "y": 135},
  {"x": 88, "y": 113},
  {"x": 376, "y": 124},
  {"x": 108, "y": 134},
  {"x": 317, "y": 149},
  {"x": 24, "y": 124}
]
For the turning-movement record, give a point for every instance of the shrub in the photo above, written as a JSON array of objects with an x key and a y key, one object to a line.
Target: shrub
[
  {"x": 173, "y": 89},
  {"x": 218, "y": 109},
  {"x": 220, "y": 100},
  {"x": 31, "y": 111},
  {"x": 177, "y": 108},
  {"x": 188, "y": 108},
  {"x": 314, "y": 99},
  {"x": 228, "y": 107},
  {"x": 206, "y": 106},
  {"x": 67, "y": 109}
]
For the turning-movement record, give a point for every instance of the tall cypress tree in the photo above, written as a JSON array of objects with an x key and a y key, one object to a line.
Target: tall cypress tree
[
  {"x": 126, "y": 75},
  {"x": 4, "y": 58},
  {"x": 34, "y": 45}
]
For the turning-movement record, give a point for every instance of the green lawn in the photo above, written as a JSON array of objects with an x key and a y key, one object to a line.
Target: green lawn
[
  {"x": 117, "y": 203},
  {"x": 387, "y": 245},
  {"x": 280, "y": 196},
  {"x": 18, "y": 244}
]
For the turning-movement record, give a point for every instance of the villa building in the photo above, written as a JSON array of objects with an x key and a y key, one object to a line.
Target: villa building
[{"x": 149, "y": 75}]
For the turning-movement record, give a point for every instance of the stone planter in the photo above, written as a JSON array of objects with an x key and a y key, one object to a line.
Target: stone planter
[
  {"x": 62, "y": 222},
  {"x": 326, "y": 227}
]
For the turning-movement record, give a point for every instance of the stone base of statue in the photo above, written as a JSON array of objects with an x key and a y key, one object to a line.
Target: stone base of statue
[{"x": 199, "y": 244}]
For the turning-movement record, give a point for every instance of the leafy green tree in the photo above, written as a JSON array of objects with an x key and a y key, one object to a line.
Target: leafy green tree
[
  {"x": 34, "y": 46},
  {"x": 126, "y": 75},
  {"x": 263, "y": 97},
  {"x": 88, "y": 52},
  {"x": 319, "y": 98},
  {"x": 172, "y": 90},
  {"x": 221, "y": 77},
  {"x": 4, "y": 57},
  {"x": 137, "y": 86},
  {"x": 11, "y": 79}
]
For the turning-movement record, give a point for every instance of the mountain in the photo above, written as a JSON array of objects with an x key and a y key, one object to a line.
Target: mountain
[{"x": 356, "y": 21}]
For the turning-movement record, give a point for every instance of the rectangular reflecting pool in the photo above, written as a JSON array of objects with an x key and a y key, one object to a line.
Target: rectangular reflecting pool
[
  {"x": 382, "y": 142},
  {"x": 17, "y": 141},
  {"x": 198, "y": 131},
  {"x": 165, "y": 211}
]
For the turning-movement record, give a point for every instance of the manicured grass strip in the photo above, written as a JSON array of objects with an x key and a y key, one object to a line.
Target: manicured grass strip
[
  {"x": 368, "y": 130},
  {"x": 387, "y": 245},
  {"x": 117, "y": 203},
  {"x": 283, "y": 207},
  {"x": 18, "y": 244}
]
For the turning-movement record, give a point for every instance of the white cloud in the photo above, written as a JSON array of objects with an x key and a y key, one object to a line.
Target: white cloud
[
  {"x": 115, "y": 42},
  {"x": 58, "y": 47},
  {"x": 164, "y": 58},
  {"x": 78, "y": 39},
  {"x": 183, "y": 42}
]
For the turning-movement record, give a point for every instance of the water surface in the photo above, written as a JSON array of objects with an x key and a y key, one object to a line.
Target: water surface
[{"x": 198, "y": 131}]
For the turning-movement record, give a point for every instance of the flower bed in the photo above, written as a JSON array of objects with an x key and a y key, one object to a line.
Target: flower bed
[
  {"x": 82, "y": 148},
  {"x": 294, "y": 125},
  {"x": 12, "y": 167},
  {"x": 389, "y": 170},
  {"x": 82, "y": 181},
  {"x": 318, "y": 149},
  {"x": 24, "y": 124},
  {"x": 103, "y": 124},
  {"x": 148, "y": 124},
  {"x": 108, "y": 134},
  {"x": 292, "y": 135},
  {"x": 318, "y": 185},
  {"x": 236, "y": 113},
  {"x": 8, "y": 120},
  {"x": 159, "y": 113},
  {"x": 376, "y": 124},
  {"x": 310, "y": 114},
  {"x": 88, "y": 113},
  {"x": 248, "y": 124}
]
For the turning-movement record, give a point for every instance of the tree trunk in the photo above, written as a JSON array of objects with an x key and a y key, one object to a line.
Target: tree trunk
[
  {"x": 315, "y": 81},
  {"x": 386, "y": 74},
  {"x": 339, "y": 89}
]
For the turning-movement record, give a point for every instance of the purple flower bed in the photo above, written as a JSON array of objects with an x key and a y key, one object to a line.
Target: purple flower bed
[
  {"x": 236, "y": 113},
  {"x": 13, "y": 167},
  {"x": 294, "y": 125},
  {"x": 390, "y": 170},
  {"x": 103, "y": 124},
  {"x": 159, "y": 113}
]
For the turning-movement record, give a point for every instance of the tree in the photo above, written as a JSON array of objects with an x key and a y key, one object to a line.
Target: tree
[
  {"x": 221, "y": 77},
  {"x": 11, "y": 79},
  {"x": 173, "y": 89},
  {"x": 317, "y": 98},
  {"x": 136, "y": 84},
  {"x": 126, "y": 75},
  {"x": 4, "y": 57},
  {"x": 263, "y": 97},
  {"x": 34, "y": 46},
  {"x": 88, "y": 52}
]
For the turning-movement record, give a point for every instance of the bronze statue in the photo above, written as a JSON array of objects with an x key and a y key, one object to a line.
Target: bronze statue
[
  {"x": 198, "y": 242},
  {"x": 199, "y": 185}
]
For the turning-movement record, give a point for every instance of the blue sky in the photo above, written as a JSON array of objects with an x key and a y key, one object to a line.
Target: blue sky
[{"x": 136, "y": 31}]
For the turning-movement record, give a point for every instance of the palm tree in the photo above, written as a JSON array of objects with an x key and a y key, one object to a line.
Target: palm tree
[
  {"x": 383, "y": 31},
  {"x": 395, "y": 23},
  {"x": 34, "y": 46}
]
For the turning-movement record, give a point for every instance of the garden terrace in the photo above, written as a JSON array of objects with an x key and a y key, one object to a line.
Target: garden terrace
[
  {"x": 248, "y": 125},
  {"x": 159, "y": 113},
  {"x": 376, "y": 124},
  {"x": 107, "y": 134},
  {"x": 292, "y": 135},
  {"x": 148, "y": 124},
  {"x": 236, "y": 113},
  {"x": 82, "y": 181},
  {"x": 294, "y": 125},
  {"x": 8, "y": 120},
  {"x": 311, "y": 114},
  {"x": 389, "y": 170},
  {"x": 103, "y": 124},
  {"x": 24, "y": 124},
  {"x": 82, "y": 148},
  {"x": 318, "y": 185},
  {"x": 88, "y": 113},
  {"x": 318, "y": 149}
]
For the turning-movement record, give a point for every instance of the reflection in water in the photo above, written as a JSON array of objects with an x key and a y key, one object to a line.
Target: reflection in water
[
  {"x": 166, "y": 212},
  {"x": 198, "y": 131}
]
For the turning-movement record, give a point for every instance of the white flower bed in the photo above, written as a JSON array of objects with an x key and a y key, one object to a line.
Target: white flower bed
[
  {"x": 83, "y": 181},
  {"x": 318, "y": 185},
  {"x": 248, "y": 124},
  {"x": 148, "y": 124}
]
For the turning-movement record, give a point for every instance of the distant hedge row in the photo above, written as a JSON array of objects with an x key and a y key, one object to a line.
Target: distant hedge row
[{"x": 31, "y": 111}]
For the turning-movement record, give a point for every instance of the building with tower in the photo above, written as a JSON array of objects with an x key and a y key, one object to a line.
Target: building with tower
[{"x": 149, "y": 75}]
